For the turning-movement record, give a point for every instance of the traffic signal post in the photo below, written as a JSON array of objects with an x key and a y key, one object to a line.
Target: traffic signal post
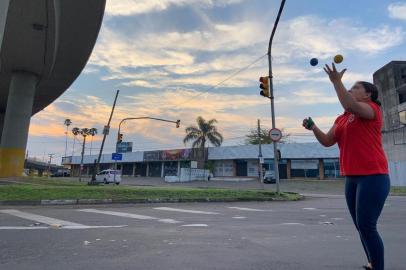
[
  {"x": 120, "y": 135},
  {"x": 267, "y": 91}
]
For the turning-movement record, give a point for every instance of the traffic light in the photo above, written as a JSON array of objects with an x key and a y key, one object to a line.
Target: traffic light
[
  {"x": 264, "y": 86},
  {"x": 177, "y": 123},
  {"x": 279, "y": 155},
  {"x": 120, "y": 138}
]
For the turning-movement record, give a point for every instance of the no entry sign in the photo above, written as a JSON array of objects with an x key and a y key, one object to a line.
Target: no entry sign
[{"x": 275, "y": 134}]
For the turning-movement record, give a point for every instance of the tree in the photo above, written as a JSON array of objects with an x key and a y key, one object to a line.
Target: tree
[
  {"x": 252, "y": 136},
  {"x": 84, "y": 132},
  {"x": 205, "y": 131},
  {"x": 75, "y": 132},
  {"x": 92, "y": 132},
  {"x": 67, "y": 123}
]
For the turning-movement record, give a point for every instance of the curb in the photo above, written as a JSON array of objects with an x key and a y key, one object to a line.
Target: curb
[{"x": 134, "y": 201}]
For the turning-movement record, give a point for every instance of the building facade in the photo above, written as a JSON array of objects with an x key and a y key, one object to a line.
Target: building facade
[
  {"x": 298, "y": 160},
  {"x": 391, "y": 83}
]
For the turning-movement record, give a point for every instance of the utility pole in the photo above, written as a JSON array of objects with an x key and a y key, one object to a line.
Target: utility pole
[
  {"x": 105, "y": 133},
  {"x": 275, "y": 149},
  {"x": 49, "y": 163}
]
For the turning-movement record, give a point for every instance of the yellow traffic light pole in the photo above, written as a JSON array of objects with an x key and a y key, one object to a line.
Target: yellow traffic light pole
[{"x": 271, "y": 97}]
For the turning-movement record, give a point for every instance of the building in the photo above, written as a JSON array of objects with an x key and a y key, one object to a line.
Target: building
[
  {"x": 391, "y": 83},
  {"x": 304, "y": 160}
]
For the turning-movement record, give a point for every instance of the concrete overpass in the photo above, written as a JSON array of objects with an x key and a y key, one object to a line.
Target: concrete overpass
[{"x": 44, "y": 46}]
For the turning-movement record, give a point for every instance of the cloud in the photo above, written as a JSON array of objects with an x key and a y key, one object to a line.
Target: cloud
[
  {"x": 313, "y": 36},
  {"x": 136, "y": 7},
  {"x": 397, "y": 10},
  {"x": 205, "y": 57}
]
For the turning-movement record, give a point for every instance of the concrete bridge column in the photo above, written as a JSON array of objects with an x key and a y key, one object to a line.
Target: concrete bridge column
[
  {"x": 16, "y": 123},
  {"x": 1, "y": 123}
]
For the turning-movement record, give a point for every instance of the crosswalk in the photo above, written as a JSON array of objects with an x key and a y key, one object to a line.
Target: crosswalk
[
  {"x": 129, "y": 215},
  {"x": 183, "y": 217}
]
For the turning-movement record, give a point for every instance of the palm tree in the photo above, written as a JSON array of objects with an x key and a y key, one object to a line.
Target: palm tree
[
  {"x": 84, "y": 132},
  {"x": 75, "y": 132},
  {"x": 67, "y": 123},
  {"x": 93, "y": 132},
  {"x": 205, "y": 131}
]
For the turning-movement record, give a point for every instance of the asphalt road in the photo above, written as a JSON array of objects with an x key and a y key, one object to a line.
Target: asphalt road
[{"x": 316, "y": 233}]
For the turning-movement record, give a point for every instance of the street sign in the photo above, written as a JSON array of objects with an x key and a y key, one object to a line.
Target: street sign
[
  {"x": 124, "y": 147},
  {"x": 261, "y": 160},
  {"x": 116, "y": 156},
  {"x": 275, "y": 134},
  {"x": 106, "y": 130}
]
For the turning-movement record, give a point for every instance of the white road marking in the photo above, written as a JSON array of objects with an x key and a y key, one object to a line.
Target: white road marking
[
  {"x": 82, "y": 227},
  {"x": 250, "y": 209},
  {"x": 292, "y": 223},
  {"x": 337, "y": 218},
  {"x": 195, "y": 225},
  {"x": 309, "y": 208},
  {"x": 38, "y": 218},
  {"x": 22, "y": 228},
  {"x": 185, "y": 211},
  {"x": 129, "y": 215},
  {"x": 239, "y": 217}
]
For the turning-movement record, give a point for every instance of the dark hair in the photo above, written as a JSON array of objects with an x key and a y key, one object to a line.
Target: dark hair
[{"x": 373, "y": 90}]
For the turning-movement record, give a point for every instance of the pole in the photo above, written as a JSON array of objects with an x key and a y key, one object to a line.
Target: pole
[
  {"x": 49, "y": 163},
  {"x": 81, "y": 160},
  {"x": 96, "y": 170},
  {"x": 261, "y": 176},
  {"x": 275, "y": 149}
]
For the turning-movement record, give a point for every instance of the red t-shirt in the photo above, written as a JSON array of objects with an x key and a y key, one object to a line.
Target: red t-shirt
[{"x": 360, "y": 144}]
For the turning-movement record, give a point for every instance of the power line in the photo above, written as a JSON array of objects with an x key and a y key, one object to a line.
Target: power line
[{"x": 223, "y": 81}]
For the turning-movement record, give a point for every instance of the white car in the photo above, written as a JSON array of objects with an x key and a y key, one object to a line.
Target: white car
[
  {"x": 109, "y": 176},
  {"x": 269, "y": 177}
]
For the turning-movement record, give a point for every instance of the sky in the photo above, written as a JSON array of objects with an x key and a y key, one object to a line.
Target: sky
[{"x": 180, "y": 59}]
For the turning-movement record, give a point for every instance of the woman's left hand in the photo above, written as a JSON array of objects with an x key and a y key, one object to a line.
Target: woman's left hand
[{"x": 334, "y": 75}]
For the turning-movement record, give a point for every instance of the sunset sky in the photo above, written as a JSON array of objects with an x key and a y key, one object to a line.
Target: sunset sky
[{"x": 167, "y": 56}]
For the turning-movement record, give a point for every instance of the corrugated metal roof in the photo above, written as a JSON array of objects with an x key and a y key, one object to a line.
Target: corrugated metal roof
[{"x": 288, "y": 151}]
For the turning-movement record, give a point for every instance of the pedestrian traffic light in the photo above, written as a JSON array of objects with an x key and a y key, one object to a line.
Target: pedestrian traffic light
[
  {"x": 264, "y": 86},
  {"x": 120, "y": 137}
]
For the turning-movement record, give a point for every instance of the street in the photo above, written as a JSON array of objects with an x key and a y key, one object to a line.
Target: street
[{"x": 316, "y": 233}]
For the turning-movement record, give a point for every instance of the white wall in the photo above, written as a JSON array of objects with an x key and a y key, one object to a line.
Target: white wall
[
  {"x": 252, "y": 166},
  {"x": 223, "y": 168},
  {"x": 396, "y": 154}
]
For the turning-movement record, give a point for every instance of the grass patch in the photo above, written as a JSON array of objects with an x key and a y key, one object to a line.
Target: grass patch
[
  {"x": 48, "y": 189},
  {"x": 399, "y": 191}
]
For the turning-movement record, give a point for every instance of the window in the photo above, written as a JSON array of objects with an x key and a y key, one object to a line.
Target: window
[
  {"x": 402, "y": 98},
  {"x": 403, "y": 75}
]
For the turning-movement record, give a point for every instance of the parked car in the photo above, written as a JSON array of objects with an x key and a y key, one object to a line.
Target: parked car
[
  {"x": 269, "y": 177},
  {"x": 109, "y": 176},
  {"x": 61, "y": 173}
]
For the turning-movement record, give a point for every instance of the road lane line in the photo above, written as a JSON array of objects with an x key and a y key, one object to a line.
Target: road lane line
[
  {"x": 39, "y": 218},
  {"x": 129, "y": 215},
  {"x": 22, "y": 228},
  {"x": 186, "y": 211},
  {"x": 250, "y": 209}
]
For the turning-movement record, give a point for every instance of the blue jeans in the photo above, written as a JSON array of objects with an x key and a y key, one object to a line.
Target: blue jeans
[{"x": 366, "y": 197}]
